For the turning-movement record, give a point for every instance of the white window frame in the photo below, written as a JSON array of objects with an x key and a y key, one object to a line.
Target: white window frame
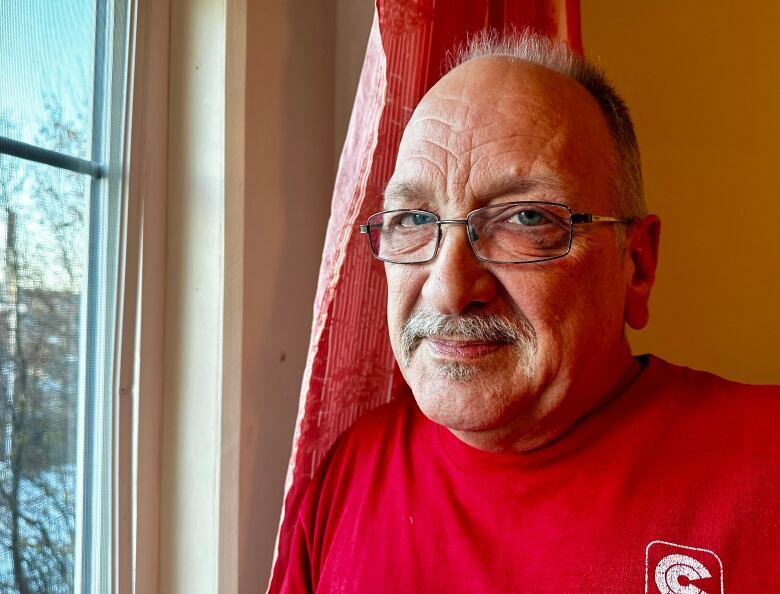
[
  {"x": 139, "y": 373},
  {"x": 172, "y": 364},
  {"x": 101, "y": 404},
  {"x": 215, "y": 397}
]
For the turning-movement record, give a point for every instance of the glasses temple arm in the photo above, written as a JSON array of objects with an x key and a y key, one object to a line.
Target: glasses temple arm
[{"x": 584, "y": 218}]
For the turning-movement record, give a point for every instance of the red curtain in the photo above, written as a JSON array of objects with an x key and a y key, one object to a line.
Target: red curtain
[{"x": 350, "y": 367}]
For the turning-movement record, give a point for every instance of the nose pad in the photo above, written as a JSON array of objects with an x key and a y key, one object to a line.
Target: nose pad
[{"x": 471, "y": 235}]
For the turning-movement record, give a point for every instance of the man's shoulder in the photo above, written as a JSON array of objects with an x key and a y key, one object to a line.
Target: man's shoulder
[
  {"x": 373, "y": 438},
  {"x": 396, "y": 410},
  {"x": 363, "y": 455},
  {"x": 714, "y": 389},
  {"x": 382, "y": 425},
  {"x": 694, "y": 383},
  {"x": 725, "y": 406}
]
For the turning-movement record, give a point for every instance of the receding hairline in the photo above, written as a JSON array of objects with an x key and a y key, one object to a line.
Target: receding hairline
[
  {"x": 523, "y": 70},
  {"x": 521, "y": 47},
  {"x": 533, "y": 49}
]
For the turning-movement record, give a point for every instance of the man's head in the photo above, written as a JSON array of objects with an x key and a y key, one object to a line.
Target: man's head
[
  {"x": 627, "y": 183},
  {"x": 507, "y": 356}
]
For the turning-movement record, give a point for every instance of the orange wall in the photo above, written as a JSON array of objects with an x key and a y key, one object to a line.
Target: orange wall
[{"x": 703, "y": 83}]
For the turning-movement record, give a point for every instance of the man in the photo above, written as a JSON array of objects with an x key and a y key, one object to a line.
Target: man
[{"x": 538, "y": 455}]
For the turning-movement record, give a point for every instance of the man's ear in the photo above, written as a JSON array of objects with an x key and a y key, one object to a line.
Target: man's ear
[{"x": 641, "y": 259}]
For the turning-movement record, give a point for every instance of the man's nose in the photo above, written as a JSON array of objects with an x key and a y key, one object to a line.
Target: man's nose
[{"x": 456, "y": 278}]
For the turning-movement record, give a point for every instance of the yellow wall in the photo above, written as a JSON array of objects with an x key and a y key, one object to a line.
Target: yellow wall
[{"x": 702, "y": 80}]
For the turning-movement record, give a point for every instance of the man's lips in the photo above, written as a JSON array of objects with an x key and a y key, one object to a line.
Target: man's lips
[{"x": 462, "y": 349}]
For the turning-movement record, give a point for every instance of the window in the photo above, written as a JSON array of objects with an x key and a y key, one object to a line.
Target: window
[{"x": 62, "y": 66}]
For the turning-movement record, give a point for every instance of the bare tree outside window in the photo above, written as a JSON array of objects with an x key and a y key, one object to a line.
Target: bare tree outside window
[
  {"x": 62, "y": 119},
  {"x": 43, "y": 231}
]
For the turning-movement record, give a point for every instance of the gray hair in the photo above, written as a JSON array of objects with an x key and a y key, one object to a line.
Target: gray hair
[{"x": 532, "y": 48}]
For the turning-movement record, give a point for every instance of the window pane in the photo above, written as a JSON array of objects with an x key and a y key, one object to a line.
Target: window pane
[
  {"x": 42, "y": 254},
  {"x": 59, "y": 256},
  {"x": 47, "y": 52}
]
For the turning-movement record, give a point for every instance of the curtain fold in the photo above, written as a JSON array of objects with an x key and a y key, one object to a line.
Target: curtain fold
[{"x": 350, "y": 368}]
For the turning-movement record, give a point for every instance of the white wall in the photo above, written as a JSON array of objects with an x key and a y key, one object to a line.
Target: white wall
[
  {"x": 303, "y": 60},
  {"x": 260, "y": 96}
]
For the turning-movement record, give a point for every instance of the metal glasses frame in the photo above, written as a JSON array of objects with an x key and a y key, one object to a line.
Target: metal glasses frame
[{"x": 580, "y": 218}]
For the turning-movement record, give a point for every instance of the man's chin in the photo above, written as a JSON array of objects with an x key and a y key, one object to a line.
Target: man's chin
[
  {"x": 461, "y": 411},
  {"x": 457, "y": 371},
  {"x": 446, "y": 382},
  {"x": 444, "y": 375},
  {"x": 484, "y": 370}
]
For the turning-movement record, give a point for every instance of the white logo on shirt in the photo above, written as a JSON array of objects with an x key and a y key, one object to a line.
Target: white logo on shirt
[
  {"x": 677, "y": 569},
  {"x": 672, "y": 568}
]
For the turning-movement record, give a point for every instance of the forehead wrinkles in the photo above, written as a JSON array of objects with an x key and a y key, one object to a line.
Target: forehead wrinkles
[
  {"x": 441, "y": 140},
  {"x": 458, "y": 156}
]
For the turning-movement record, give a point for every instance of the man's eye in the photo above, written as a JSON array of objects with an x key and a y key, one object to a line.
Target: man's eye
[
  {"x": 414, "y": 219},
  {"x": 529, "y": 218}
]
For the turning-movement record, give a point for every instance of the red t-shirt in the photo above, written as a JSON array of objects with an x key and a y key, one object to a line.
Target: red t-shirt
[{"x": 672, "y": 488}]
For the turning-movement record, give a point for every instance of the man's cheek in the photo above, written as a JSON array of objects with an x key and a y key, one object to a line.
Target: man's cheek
[
  {"x": 397, "y": 314},
  {"x": 403, "y": 291}
]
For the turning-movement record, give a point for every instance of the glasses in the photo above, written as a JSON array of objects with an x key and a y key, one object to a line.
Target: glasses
[{"x": 511, "y": 233}]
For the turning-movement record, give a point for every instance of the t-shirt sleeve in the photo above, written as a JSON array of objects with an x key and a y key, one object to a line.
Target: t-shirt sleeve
[
  {"x": 297, "y": 577},
  {"x": 298, "y": 565},
  {"x": 325, "y": 498}
]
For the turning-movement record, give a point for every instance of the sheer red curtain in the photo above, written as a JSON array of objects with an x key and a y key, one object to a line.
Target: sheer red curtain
[{"x": 350, "y": 367}]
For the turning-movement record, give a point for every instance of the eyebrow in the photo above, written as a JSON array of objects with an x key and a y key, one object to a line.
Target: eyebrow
[
  {"x": 416, "y": 192},
  {"x": 519, "y": 184},
  {"x": 404, "y": 191}
]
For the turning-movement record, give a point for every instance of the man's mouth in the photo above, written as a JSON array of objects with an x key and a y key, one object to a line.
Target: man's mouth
[
  {"x": 465, "y": 338},
  {"x": 453, "y": 348}
]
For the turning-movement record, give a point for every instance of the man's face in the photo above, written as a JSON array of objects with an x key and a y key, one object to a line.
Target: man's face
[{"x": 492, "y": 132}]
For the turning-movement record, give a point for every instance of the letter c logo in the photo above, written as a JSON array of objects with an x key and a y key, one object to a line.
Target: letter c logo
[{"x": 674, "y": 573}]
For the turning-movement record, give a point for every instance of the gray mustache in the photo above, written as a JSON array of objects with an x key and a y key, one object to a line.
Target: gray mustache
[{"x": 471, "y": 326}]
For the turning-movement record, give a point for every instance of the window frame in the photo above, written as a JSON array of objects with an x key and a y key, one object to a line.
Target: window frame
[
  {"x": 105, "y": 390},
  {"x": 140, "y": 374}
]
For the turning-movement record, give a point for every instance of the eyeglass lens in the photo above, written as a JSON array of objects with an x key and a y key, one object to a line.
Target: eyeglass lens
[{"x": 514, "y": 232}]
